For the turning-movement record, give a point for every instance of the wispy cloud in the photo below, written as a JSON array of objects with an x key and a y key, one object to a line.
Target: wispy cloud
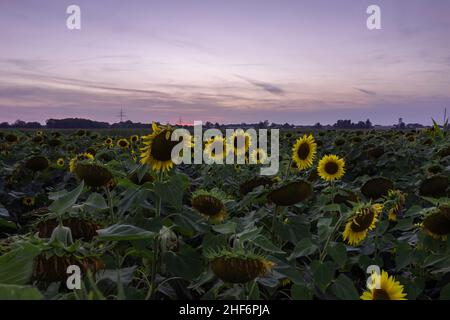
[
  {"x": 269, "y": 87},
  {"x": 368, "y": 92}
]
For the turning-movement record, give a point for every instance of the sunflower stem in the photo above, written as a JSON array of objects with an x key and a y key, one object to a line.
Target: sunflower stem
[
  {"x": 323, "y": 254},
  {"x": 110, "y": 204},
  {"x": 152, "y": 291}
]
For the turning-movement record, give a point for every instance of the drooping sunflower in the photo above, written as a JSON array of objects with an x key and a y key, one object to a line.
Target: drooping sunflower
[
  {"x": 238, "y": 266},
  {"x": 304, "y": 152},
  {"x": 384, "y": 287},
  {"x": 258, "y": 156},
  {"x": 395, "y": 200},
  {"x": 37, "y": 163},
  {"x": 436, "y": 222},
  {"x": 291, "y": 193},
  {"x": 331, "y": 167},
  {"x": 60, "y": 162},
  {"x": 157, "y": 152},
  {"x": 28, "y": 201},
  {"x": 123, "y": 143},
  {"x": 210, "y": 204},
  {"x": 240, "y": 141},
  {"x": 80, "y": 157},
  {"x": 94, "y": 175},
  {"x": 363, "y": 219}
]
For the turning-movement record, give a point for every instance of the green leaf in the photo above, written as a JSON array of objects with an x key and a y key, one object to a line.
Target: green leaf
[
  {"x": 301, "y": 292},
  {"x": 445, "y": 293},
  {"x": 303, "y": 248},
  {"x": 186, "y": 263},
  {"x": 17, "y": 265},
  {"x": 67, "y": 200},
  {"x": 124, "y": 232},
  {"x": 338, "y": 253},
  {"x": 404, "y": 255},
  {"x": 344, "y": 289},
  {"x": 267, "y": 245},
  {"x": 171, "y": 192},
  {"x": 225, "y": 228},
  {"x": 323, "y": 274},
  {"x": 15, "y": 292},
  {"x": 96, "y": 201}
]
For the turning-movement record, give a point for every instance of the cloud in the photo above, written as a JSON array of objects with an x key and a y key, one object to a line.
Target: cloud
[
  {"x": 368, "y": 92},
  {"x": 271, "y": 88}
]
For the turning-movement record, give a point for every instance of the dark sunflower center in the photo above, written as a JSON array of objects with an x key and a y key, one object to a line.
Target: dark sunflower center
[
  {"x": 363, "y": 220},
  {"x": 162, "y": 147},
  {"x": 380, "y": 294},
  {"x": 207, "y": 205},
  {"x": 236, "y": 139},
  {"x": 331, "y": 168},
  {"x": 438, "y": 224},
  {"x": 303, "y": 151},
  {"x": 123, "y": 143}
]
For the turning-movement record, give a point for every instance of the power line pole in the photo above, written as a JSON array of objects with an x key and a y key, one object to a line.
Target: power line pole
[{"x": 121, "y": 115}]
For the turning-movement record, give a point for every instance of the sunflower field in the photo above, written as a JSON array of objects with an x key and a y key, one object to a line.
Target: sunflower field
[{"x": 350, "y": 215}]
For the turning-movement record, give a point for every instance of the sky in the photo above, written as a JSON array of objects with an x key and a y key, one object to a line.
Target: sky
[{"x": 299, "y": 61}]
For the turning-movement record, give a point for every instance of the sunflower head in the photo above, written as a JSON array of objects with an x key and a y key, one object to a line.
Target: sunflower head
[
  {"x": 28, "y": 201},
  {"x": 210, "y": 204},
  {"x": 81, "y": 228},
  {"x": 238, "y": 266},
  {"x": 331, "y": 167},
  {"x": 434, "y": 186},
  {"x": 258, "y": 156},
  {"x": 384, "y": 287},
  {"x": 249, "y": 185},
  {"x": 94, "y": 174},
  {"x": 375, "y": 152},
  {"x": 60, "y": 162},
  {"x": 157, "y": 150},
  {"x": 147, "y": 177},
  {"x": 134, "y": 139},
  {"x": 362, "y": 219},
  {"x": 11, "y": 138},
  {"x": 81, "y": 133},
  {"x": 291, "y": 193},
  {"x": 436, "y": 222},
  {"x": 304, "y": 152},
  {"x": 80, "y": 157},
  {"x": 240, "y": 141},
  {"x": 54, "y": 143},
  {"x": 109, "y": 142},
  {"x": 377, "y": 188},
  {"x": 394, "y": 202},
  {"x": 215, "y": 149},
  {"x": 37, "y": 163},
  {"x": 123, "y": 143}
]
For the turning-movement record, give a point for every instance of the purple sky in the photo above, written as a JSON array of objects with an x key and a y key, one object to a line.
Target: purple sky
[{"x": 298, "y": 61}]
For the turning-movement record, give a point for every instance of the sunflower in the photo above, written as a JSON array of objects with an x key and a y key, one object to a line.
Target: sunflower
[
  {"x": 210, "y": 204},
  {"x": 291, "y": 193},
  {"x": 331, "y": 167},
  {"x": 238, "y": 266},
  {"x": 363, "y": 219},
  {"x": 157, "y": 152},
  {"x": 437, "y": 222},
  {"x": 60, "y": 162},
  {"x": 123, "y": 143},
  {"x": 240, "y": 141},
  {"x": 215, "y": 149},
  {"x": 258, "y": 156},
  {"x": 39, "y": 133},
  {"x": 134, "y": 138},
  {"x": 37, "y": 163},
  {"x": 93, "y": 174},
  {"x": 80, "y": 157},
  {"x": 395, "y": 200},
  {"x": 28, "y": 201},
  {"x": 304, "y": 152},
  {"x": 385, "y": 288},
  {"x": 109, "y": 142}
]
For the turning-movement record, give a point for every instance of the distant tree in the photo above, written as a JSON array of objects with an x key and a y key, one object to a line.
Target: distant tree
[{"x": 4, "y": 125}]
